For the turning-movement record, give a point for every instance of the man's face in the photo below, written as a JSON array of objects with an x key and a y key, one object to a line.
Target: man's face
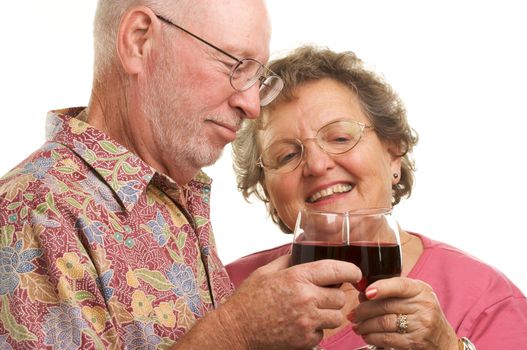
[{"x": 193, "y": 109}]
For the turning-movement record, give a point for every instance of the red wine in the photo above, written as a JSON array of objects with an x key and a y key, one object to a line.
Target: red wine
[{"x": 376, "y": 261}]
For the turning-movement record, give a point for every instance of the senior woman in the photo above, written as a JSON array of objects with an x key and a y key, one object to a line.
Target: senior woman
[{"x": 448, "y": 299}]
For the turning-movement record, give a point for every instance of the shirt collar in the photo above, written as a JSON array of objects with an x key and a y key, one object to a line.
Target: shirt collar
[{"x": 125, "y": 173}]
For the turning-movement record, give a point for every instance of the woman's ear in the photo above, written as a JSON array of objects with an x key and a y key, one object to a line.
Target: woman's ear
[
  {"x": 396, "y": 155},
  {"x": 135, "y": 38}
]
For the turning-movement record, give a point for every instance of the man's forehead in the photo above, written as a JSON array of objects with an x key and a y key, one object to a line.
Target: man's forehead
[{"x": 241, "y": 27}]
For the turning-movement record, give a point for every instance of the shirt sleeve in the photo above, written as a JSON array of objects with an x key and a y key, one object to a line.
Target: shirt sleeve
[{"x": 498, "y": 322}]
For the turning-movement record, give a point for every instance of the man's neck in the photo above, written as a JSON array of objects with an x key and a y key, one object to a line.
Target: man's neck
[{"x": 134, "y": 132}]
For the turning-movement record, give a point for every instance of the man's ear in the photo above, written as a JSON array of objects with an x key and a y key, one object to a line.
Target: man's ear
[{"x": 135, "y": 38}]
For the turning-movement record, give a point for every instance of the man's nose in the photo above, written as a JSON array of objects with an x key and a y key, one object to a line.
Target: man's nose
[{"x": 248, "y": 101}]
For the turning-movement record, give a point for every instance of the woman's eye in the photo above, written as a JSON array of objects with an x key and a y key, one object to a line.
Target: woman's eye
[
  {"x": 287, "y": 157},
  {"x": 340, "y": 138}
]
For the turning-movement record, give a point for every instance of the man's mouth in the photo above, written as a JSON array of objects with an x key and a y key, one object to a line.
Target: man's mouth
[
  {"x": 233, "y": 127},
  {"x": 339, "y": 188}
]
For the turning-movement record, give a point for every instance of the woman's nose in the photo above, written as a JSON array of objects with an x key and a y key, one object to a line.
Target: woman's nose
[{"x": 316, "y": 161}]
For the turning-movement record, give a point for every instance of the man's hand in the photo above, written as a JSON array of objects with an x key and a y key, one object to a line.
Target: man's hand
[{"x": 282, "y": 307}]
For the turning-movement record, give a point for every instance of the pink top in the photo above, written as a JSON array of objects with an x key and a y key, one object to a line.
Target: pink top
[{"x": 479, "y": 301}]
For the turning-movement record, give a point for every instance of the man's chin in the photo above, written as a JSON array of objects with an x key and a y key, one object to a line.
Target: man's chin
[{"x": 209, "y": 158}]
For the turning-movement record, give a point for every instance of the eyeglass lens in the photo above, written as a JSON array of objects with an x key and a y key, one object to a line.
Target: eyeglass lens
[{"x": 248, "y": 71}]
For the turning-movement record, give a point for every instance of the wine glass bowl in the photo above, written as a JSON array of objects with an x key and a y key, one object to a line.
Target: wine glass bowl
[
  {"x": 368, "y": 238},
  {"x": 320, "y": 235},
  {"x": 374, "y": 245}
]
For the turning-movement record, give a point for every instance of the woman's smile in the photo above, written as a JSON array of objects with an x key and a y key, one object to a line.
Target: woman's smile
[{"x": 329, "y": 192}]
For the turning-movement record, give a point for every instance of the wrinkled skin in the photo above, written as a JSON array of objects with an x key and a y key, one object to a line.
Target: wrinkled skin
[
  {"x": 428, "y": 327},
  {"x": 301, "y": 306}
]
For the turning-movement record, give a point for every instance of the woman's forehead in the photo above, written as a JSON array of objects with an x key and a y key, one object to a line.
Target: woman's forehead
[{"x": 311, "y": 108}]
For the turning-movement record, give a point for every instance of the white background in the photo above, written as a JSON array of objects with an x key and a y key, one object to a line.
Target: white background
[{"x": 460, "y": 66}]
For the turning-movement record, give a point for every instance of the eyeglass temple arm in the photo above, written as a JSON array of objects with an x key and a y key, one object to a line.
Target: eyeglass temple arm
[{"x": 197, "y": 37}]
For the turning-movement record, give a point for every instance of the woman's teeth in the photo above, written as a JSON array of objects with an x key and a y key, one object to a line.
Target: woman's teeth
[{"x": 340, "y": 188}]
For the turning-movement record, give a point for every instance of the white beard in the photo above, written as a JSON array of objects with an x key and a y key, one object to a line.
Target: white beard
[{"x": 178, "y": 131}]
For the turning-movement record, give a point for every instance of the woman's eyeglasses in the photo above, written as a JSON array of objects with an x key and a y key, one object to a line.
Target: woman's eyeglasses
[{"x": 334, "y": 138}]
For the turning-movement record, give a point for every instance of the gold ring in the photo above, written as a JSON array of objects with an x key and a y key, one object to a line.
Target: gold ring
[{"x": 402, "y": 323}]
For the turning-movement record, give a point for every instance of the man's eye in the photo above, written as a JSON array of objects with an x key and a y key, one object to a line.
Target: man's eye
[{"x": 227, "y": 65}]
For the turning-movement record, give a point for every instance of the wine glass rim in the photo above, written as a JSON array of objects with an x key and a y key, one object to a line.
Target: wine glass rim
[
  {"x": 323, "y": 212},
  {"x": 369, "y": 211},
  {"x": 354, "y": 212}
]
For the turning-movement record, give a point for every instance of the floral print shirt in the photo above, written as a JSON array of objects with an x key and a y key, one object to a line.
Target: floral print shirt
[{"x": 98, "y": 250}]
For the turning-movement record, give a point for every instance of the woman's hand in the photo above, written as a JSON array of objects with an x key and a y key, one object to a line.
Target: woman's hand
[{"x": 376, "y": 317}]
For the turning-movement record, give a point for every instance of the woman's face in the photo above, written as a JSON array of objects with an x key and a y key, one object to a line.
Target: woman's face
[{"x": 359, "y": 178}]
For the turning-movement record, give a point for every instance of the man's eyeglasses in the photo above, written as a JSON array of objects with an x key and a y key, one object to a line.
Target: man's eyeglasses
[
  {"x": 246, "y": 72},
  {"x": 334, "y": 138}
]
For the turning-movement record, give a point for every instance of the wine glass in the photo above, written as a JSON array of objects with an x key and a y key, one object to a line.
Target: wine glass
[
  {"x": 368, "y": 238},
  {"x": 376, "y": 247}
]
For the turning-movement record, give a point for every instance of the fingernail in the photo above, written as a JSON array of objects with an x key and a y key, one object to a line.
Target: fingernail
[{"x": 371, "y": 293}]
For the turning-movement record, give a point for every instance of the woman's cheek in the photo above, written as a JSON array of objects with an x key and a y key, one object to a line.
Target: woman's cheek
[{"x": 285, "y": 198}]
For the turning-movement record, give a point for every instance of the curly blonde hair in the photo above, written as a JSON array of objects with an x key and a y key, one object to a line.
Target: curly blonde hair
[{"x": 379, "y": 103}]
